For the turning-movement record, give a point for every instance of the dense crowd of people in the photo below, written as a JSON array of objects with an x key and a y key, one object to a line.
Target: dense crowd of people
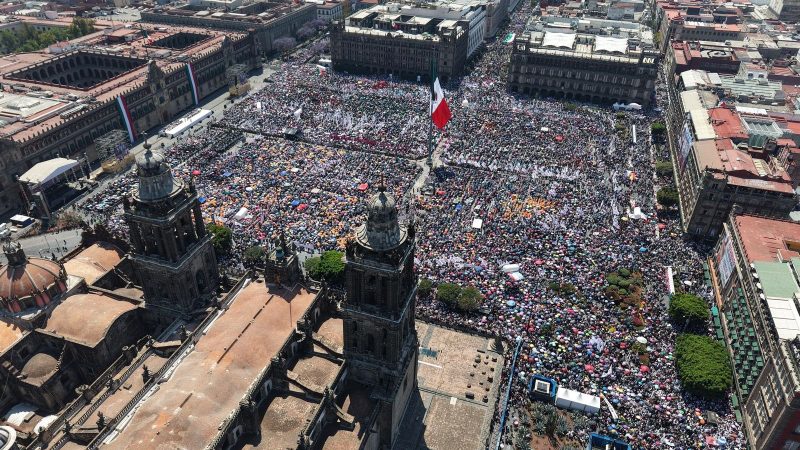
[
  {"x": 364, "y": 114},
  {"x": 557, "y": 190}
]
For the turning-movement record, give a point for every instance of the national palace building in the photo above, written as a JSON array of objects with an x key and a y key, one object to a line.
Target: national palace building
[{"x": 58, "y": 101}]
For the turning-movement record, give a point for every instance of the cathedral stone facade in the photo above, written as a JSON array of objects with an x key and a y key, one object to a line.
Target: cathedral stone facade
[
  {"x": 380, "y": 340},
  {"x": 172, "y": 252}
]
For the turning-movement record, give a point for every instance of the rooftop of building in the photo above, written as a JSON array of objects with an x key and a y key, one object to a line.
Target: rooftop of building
[
  {"x": 210, "y": 381},
  {"x": 779, "y": 284},
  {"x": 452, "y": 365},
  {"x": 764, "y": 239},
  {"x": 727, "y": 124},
  {"x": 9, "y": 334},
  {"x": 583, "y": 45},
  {"x": 94, "y": 261},
  {"x": 86, "y": 318},
  {"x": 740, "y": 167},
  {"x": 35, "y": 98},
  {"x": 409, "y": 22},
  {"x": 685, "y": 52},
  {"x": 257, "y": 13}
]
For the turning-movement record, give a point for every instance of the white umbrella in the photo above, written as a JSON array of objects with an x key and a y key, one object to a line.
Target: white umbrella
[{"x": 641, "y": 340}]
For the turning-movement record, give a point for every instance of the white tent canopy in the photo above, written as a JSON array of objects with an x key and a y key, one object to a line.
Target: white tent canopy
[
  {"x": 47, "y": 170},
  {"x": 242, "y": 214},
  {"x": 570, "y": 399}
]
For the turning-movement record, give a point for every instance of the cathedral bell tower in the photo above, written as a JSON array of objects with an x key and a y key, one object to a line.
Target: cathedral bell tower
[
  {"x": 172, "y": 254},
  {"x": 380, "y": 340}
]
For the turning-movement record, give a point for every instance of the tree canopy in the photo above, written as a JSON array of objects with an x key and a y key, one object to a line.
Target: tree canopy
[
  {"x": 703, "y": 365},
  {"x": 667, "y": 196},
  {"x": 663, "y": 168},
  {"x": 328, "y": 267},
  {"x": 467, "y": 299},
  {"x": 448, "y": 293},
  {"x": 688, "y": 309},
  {"x": 254, "y": 255},
  {"x": 470, "y": 299},
  {"x": 221, "y": 237},
  {"x": 425, "y": 287},
  {"x": 29, "y": 39}
]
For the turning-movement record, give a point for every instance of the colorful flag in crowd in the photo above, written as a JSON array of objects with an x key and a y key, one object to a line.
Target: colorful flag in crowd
[{"x": 440, "y": 112}]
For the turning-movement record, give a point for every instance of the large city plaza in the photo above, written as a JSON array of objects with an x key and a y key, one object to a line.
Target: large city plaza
[{"x": 552, "y": 184}]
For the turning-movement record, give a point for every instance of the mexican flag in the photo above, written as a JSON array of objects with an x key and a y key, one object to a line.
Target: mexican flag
[{"x": 440, "y": 112}]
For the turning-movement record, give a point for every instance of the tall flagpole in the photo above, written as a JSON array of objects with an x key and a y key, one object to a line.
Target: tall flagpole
[{"x": 430, "y": 116}]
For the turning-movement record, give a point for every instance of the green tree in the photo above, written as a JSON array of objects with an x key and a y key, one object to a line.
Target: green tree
[
  {"x": 658, "y": 128},
  {"x": 664, "y": 168},
  {"x": 703, "y": 365},
  {"x": 425, "y": 287},
  {"x": 667, "y": 196},
  {"x": 331, "y": 266},
  {"x": 469, "y": 299},
  {"x": 221, "y": 237},
  {"x": 28, "y": 39},
  {"x": 254, "y": 255},
  {"x": 448, "y": 293},
  {"x": 312, "y": 267},
  {"x": 688, "y": 309}
]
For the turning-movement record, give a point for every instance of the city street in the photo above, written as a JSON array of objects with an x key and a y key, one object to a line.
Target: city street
[{"x": 45, "y": 245}]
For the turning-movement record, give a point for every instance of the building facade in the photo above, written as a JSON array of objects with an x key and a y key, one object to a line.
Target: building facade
[
  {"x": 172, "y": 254},
  {"x": 380, "y": 340},
  {"x": 715, "y": 175},
  {"x": 387, "y": 40},
  {"x": 599, "y": 69},
  {"x": 754, "y": 270},
  {"x": 57, "y": 105},
  {"x": 263, "y": 21},
  {"x": 786, "y": 10}
]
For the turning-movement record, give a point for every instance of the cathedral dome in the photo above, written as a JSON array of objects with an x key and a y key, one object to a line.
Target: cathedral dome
[
  {"x": 40, "y": 366},
  {"x": 382, "y": 230},
  {"x": 155, "y": 176},
  {"x": 27, "y": 282}
]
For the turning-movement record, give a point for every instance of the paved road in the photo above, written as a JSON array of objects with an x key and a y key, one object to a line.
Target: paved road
[{"x": 44, "y": 245}]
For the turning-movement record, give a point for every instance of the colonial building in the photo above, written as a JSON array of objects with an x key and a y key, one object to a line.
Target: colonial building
[
  {"x": 264, "y": 22},
  {"x": 317, "y": 370},
  {"x": 786, "y": 10},
  {"x": 585, "y": 67},
  {"x": 404, "y": 41},
  {"x": 59, "y": 333},
  {"x": 380, "y": 341},
  {"x": 172, "y": 254},
  {"x": 132, "y": 79},
  {"x": 716, "y": 174},
  {"x": 727, "y": 154},
  {"x": 754, "y": 270}
]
